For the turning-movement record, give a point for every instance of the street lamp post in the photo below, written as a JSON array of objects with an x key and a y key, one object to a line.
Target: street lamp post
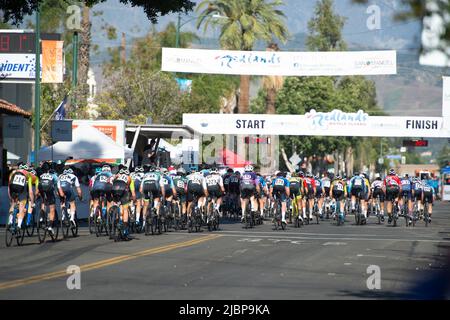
[
  {"x": 74, "y": 67},
  {"x": 37, "y": 89}
]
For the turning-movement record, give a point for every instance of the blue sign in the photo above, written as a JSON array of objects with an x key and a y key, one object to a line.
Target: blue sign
[{"x": 394, "y": 156}]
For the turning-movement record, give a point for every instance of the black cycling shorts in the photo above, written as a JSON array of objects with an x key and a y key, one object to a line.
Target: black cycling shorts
[
  {"x": 378, "y": 192},
  {"x": 338, "y": 195},
  {"x": 151, "y": 190},
  {"x": 214, "y": 191},
  {"x": 247, "y": 191},
  {"x": 392, "y": 193},
  {"x": 194, "y": 190},
  {"x": 48, "y": 196}
]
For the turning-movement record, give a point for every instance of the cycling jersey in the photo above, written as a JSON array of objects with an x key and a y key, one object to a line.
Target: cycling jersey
[
  {"x": 196, "y": 186},
  {"x": 279, "y": 185},
  {"x": 318, "y": 184},
  {"x": 392, "y": 184},
  {"x": 66, "y": 182},
  {"x": 168, "y": 185},
  {"x": 357, "y": 186},
  {"x": 295, "y": 185},
  {"x": 428, "y": 192},
  {"x": 326, "y": 184},
  {"x": 19, "y": 184},
  {"x": 234, "y": 184},
  {"x": 152, "y": 185},
  {"x": 338, "y": 189},
  {"x": 122, "y": 185},
  {"x": 377, "y": 190},
  {"x": 137, "y": 178},
  {"x": 309, "y": 187},
  {"x": 47, "y": 186},
  {"x": 214, "y": 184}
]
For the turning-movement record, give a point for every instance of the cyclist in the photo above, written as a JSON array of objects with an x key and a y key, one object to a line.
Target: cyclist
[
  {"x": 19, "y": 189},
  {"x": 326, "y": 186},
  {"x": 319, "y": 193},
  {"x": 392, "y": 185},
  {"x": 280, "y": 190},
  {"x": 234, "y": 189},
  {"x": 428, "y": 195},
  {"x": 169, "y": 187},
  {"x": 295, "y": 191},
  {"x": 356, "y": 189},
  {"x": 366, "y": 195},
  {"x": 406, "y": 193},
  {"x": 180, "y": 183},
  {"x": 263, "y": 191},
  {"x": 35, "y": 183},
  {"x": 65, "y": 184},
  {"x": 377, "y": 191},
  {"x": 48, "y": 182},
  {"x": 122, "y": 187},
  {"x": 214, "y": 185},
  {"x": 309, "y": 192},
  {"x": 417, "y": 191},
  {"x": 249, "y": 186},
  {"x": 152, "y": 187},
  {"x": 102, "y": 186},
  {"x": 338, "y": 192},
  {"x": 137, "y": 177},
  {"x": 196, "y": 187}
]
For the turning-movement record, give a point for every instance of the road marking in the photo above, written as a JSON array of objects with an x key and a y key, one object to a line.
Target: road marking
[
  {"x": 370, "y": 256},
  {"x": 282, "y": 236},
  {"x": 334, "y": 244},
  {"x": 105, "y": 263}
]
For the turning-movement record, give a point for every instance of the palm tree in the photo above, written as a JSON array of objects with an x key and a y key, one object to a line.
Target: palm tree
[{"x": 243, "y": 23}]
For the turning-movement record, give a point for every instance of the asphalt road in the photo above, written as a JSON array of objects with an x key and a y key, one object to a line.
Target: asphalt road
[{"x": 314, "y": 262}]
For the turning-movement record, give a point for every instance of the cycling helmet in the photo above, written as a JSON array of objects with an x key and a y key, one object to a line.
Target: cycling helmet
[
  {"x": 356, "y": 174},
  {"x": 163, "y": 170},
  {"x": 33, "y": 172},
  {"x": 139, "y": 169},
  {"x": 280, "y": 174},
  {"x": 248, "y": 168},
  {"x": 406, "y": 176},
  {"x": 391, "y": 172},
  {"x": 362, "y": 175},
  {"x": 98, "y": 170},
  {"x": 45, "y": 167},
  {"x": 214, "y": 170},
  {"x": 23, "y": 167},
  {"x": 317, "y": 177},
  {"x": 276, "y": 173},
  {"x": 301, "y": 174},
  {"x": 181, "y": 171},
  {"x": 338, "y": 177},
  {"x": 124, "y": 171},
  {"x": 237, "y": 172},
  {"x": 309, "y": 175},
  {"x": 106, "y": 168},
  {"x": 288, "y": 175},
  {"x": 68, "y": 171},
  {"x": 377, "y": 176},
  {"x": 229, "y": 170}
]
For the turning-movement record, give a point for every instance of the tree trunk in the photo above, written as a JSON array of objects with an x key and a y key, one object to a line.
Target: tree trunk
[
  {"x": 244, "y": 100},
  {"x": 270, "y": 101},
  {"x": 84, "y": 55}
]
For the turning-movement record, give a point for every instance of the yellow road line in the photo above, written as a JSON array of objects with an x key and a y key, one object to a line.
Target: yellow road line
[{"x": 105, "y": 263}]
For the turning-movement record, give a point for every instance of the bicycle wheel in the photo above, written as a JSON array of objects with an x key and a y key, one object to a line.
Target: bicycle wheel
[
  {"x": 425, "y": 213},
  {"x": 65, "y": 223},
  {"x": 112, "y": 222},
  {"x": 56, "y": 224},
  {"x": 20, "y": 235},
  {"x": 9, "y": 234},
  {"x": 30, "y": 225},
  {"x": 74, "y": 228},
  {"x": 42, "y": 226},
  {"x": 94, "y": 223}
]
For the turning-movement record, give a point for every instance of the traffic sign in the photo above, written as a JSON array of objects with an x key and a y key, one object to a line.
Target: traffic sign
[
  {"x": 380, "y": 160},
  {"x": 295, "y": 159}
]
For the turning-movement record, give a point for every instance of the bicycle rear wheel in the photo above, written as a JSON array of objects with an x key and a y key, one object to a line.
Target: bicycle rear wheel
[
  {"x": 30, "y": 226},
  {"x": 425, "y": 214},
  {"x": 9, "y": 234},
  {"x": 74, "y": 228},
  {"x": 20, "y": 235},
  {"x": 42, "y": 226},
  {"x": 65, "y": 223},
  {"x": 56, "y": 226}
]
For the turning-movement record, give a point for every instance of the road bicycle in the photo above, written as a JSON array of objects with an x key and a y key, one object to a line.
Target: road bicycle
[
  {"x": 43, "y": 222},
  {"x": 277, "y": 220},
  {"x": 213, "y": 217},
  {"x": 12, "y": 228},
  {"x": 67, "y": 224}
]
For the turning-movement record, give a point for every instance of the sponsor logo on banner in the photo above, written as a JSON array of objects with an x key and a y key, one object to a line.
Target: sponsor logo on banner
[
  {"x": 17, "y": 66},
  {"x": 255, "y": 58},
  {"x": 374, "y": 63},
  {"x": 336, "y": 118}
]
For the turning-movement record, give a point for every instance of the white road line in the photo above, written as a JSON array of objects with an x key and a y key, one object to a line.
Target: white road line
[{"x": 336, "y": 238}]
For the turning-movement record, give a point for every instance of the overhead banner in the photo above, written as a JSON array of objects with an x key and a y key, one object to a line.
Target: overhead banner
[
  {"x": 17, "y": 66},
  {"x": 335, "y": 123},
  {"x": 52, "y": 61},
  {"x": 269, "y": 63}
]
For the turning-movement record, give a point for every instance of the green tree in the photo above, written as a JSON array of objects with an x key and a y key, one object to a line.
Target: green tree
[
  {"x": 325, "y": 29},
  {"x": 243, "y": 23},
  {"x": 443, "y": 157},
  {"x": 15, "y": 10}
]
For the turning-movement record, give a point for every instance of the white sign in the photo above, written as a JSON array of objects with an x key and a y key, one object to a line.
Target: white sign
[
  {"x": 446, "y": 193},
  {"x": 380, "y": 160},
  {"x": 279, "y": 63},
  {"x": 295, "y": 159},
  {"x": 446, "y": 101},
  {"x": 335, "y": 123},
  {"x": 17, "y": 66}
]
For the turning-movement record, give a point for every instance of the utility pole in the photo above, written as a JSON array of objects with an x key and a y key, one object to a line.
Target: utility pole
[
  {"x": 37, "y": 88},
  {"x": 177, "y": 39}
]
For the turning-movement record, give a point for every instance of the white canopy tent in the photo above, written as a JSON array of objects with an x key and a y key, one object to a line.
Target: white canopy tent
[{"x": 87, "y": 143}]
